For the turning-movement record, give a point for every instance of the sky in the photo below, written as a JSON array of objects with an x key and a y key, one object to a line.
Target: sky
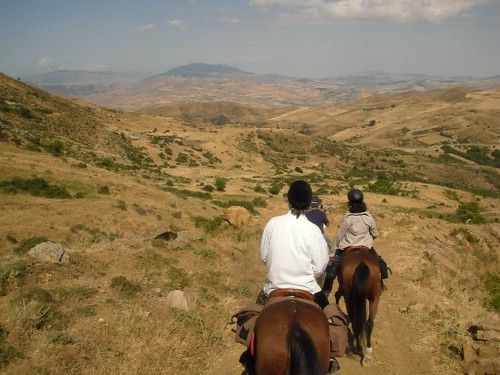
[{"x": 302, "y": 38}]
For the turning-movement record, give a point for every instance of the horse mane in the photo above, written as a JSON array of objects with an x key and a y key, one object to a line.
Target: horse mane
[
  {"x": 358, "y": 293},
  {"x": 303, "y": 354}
]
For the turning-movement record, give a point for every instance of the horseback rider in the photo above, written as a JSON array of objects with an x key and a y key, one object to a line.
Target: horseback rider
[
  {"x": 317, "y": 215},
  {"x": 295, "y": 254},
  {"x": 357, "y": 228},
  {"x": 294, "y": 249}
]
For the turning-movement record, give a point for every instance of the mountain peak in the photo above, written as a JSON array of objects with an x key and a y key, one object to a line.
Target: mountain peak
[{"x": 204, "y": 70}]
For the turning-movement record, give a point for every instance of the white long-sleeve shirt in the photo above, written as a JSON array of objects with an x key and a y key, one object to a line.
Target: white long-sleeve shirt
[{"x": 295, "y": 253}]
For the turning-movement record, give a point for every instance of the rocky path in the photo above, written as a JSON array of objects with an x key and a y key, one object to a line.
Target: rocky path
[
  {"x": 395, "y": 344},
  {"x": 399, "y": 341}
]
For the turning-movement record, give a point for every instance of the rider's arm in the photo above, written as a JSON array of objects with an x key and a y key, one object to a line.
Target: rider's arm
[
  {"x": 373, "y": 227},
  {"x": 265, "y": 243},
  {"x": 341, "y": 232},
  {"x": 320, "y": 255}
]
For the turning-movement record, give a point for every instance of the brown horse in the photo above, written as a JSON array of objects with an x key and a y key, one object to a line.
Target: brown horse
[
  {"x": 291, "y": 337},
  {"x": 360, "y": 280}
]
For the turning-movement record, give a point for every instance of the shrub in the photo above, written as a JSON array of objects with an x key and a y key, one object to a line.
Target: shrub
[
  {"x": 384, "y": 186},
  {"x": 220, "y": 183},
  {"x": 25, "y": 112},
  {"x": 470, "y": 213},
  {"x": 27, "y": 244},
  {"x": 259, "y": 202},
  {"x": 107, "y": 163},
  {"x": 126, "y": 287},
  {"x": 208, "y": 188},
  {"x": 10, "y": 271},
  {"x": 276, "y": 187},
  {"x": 183, "y": 193},
  {"x": 450, "y": 194},
  {"x": 103, "y": 190},
  {"x": 219, "y": 120},
  {"x": 208, "y": 225},
  {"x": 491, "y": 283},
  {"x": 56, "y": 148},
  {"x": 8, "y": 353},
  {"x": 468, "y": 235},
  {"x": 259, "y": 189},
  {"x": 121, "y": 205},
  {"x": 34, "y": 186}
]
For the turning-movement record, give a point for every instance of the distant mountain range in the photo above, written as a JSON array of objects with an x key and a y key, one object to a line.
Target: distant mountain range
[
  {"x": 205, "y": 70},
  {"x": 216, "y": 82}
]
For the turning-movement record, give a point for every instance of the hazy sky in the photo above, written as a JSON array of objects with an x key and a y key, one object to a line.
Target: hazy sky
[{"x": 310, "y": 38}]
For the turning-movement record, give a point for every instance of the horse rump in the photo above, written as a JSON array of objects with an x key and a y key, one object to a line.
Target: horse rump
[
  {"x": 357, "y": 300},
  {"x": 304, "y": 358}
]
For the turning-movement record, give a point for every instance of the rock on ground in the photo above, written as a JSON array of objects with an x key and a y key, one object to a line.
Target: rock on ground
[{"x": 49, "y": 252}]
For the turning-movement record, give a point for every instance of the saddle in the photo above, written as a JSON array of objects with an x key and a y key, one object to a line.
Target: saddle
[
  {"x": 357, "y": 248},
  {"x": 292, "y": 293}
]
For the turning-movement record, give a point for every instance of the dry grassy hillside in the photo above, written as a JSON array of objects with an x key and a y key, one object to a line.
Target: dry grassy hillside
[
  {"x": 411, "y": 120},
  {"x": 218, "y": 113},
  {"x": 104, "y": 183}
]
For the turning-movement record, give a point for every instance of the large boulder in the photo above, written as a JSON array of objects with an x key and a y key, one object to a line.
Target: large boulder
[
  {"x": 177, "y": 299},
  {"x": 49, "y": 252},
  {"x": 237, "y": 216}
]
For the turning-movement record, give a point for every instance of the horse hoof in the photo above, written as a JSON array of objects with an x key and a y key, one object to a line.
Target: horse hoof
[
  {"x": 366, "y": 361},
  {"x": 369, "y": 350}
]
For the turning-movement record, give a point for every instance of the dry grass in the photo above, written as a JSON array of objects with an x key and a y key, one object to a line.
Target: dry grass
[{"x": 105, "y": 311}]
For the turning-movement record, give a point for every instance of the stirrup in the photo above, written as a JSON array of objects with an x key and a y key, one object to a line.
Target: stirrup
[{"x": 333, "y": 366}]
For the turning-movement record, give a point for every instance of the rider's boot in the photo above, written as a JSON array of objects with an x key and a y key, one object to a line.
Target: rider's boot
[
  {"x": 382, "y": 264},
  {"x": 331, "y": 272},
  {"x": 333, "y": 366}
]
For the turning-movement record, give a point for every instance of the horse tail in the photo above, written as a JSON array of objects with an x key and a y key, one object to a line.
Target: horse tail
[
  {"x": 304, "y": 358},
  {"x": 357, "y": 300}
]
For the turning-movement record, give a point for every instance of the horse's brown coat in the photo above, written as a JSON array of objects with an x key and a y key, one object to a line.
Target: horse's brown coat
[
  {"x": 346, "y": 278},
  {"x": 271, "y": 332}
]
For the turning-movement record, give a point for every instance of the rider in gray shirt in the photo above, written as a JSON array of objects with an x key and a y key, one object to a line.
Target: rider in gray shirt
[{"x": 358, "y": 228}]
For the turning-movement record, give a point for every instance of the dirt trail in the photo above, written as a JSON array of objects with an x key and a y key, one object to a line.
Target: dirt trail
[
  {"x": 395, "y": 340},
  {"x": 398, "y": 342}
]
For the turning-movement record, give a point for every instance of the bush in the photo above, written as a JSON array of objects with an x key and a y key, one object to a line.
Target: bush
[
  {"x": 8, "y": 353},
  {"x": 208, "y": 188},
  {"x": 208, "y": 225},
  {"x": 276, "y": 187},
  {"x": 220, "y": 183},
  {"x": 10, "y": 271},
  {"x": 103, "y": 190},
  {"x": 219, "y": 120},
  {"x": 491, "y": 283},
  {"x": 126, "y": 287},
  {"x": 27, "y": 244},
  {"x": 384, "y": 186},
  {"x": 183, "y": 193},
  {"x": 468, "y": 235},
  {"x": 34, "y": 186},
  {"x": 107, "y": 163},
  {"x": 470, "y": 213},
  {"x": 259, "y": 189},
  {"x": 25, "y": 112},
  {"x": 56, "y": 148}
]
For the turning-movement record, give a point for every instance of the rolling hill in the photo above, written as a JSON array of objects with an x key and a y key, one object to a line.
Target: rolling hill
[
  {"x": 104, "y": 183},
  {"x": 215, "y": 82}
]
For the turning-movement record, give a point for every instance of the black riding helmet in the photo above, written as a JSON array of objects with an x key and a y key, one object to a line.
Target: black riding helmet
[
  {"x": 299, "y": 195},
  {"x": 355, "y": 195},
  {"x": 316, "y": 200}
]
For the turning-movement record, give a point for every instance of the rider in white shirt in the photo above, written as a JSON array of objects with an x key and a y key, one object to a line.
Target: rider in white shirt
[{"x": 294, "y": 249}]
